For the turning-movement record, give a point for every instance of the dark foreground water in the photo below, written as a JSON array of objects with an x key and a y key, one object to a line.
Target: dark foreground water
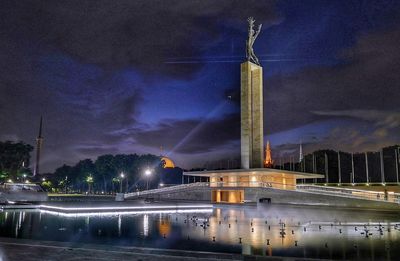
[{"x": 274, "y": 231}]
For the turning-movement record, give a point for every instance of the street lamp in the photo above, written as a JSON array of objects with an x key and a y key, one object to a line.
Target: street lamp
[
  {"x": 89, "y": 180},
  {"x": 122, "y": 175},
  {"x": 24, "y": 177},
  {"x": 65, "y": 185},
  {"x": 147, "y": 172}
]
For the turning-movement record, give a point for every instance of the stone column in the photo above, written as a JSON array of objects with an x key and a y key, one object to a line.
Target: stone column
[{"x": 252, "y": 130}]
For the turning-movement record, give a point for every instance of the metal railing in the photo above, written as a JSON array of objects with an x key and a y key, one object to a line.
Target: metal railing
[
  {"x": 166, "y": 189},
  {"x": 252, "y": 184},
  {"x": 352, "y": 193}
]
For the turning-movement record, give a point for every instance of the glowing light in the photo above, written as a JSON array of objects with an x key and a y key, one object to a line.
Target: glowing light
[
  {"x": 146, "y": 225},
  {"x": 88, "y": 214},
  {"x": 122, "y": 175},
  {"x": 147, "y": 172},
  {"x": 24, "y": 175},
  {"x": 168, "y": 163},
  {"x": 161, "y": 184},
  {"x": 10, "y": 181},
  {"x": 89, "y": 179},
  {"x": 43, "y": 179},
  {"x": 125, "y": 208}
]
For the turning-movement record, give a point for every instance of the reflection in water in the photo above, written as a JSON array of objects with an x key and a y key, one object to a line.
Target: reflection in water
[
  {"x": 164, "y": 226},
  {"x": 279, "y": 231},
  {"x": 145, "y": 225},
  {"x": 119, "y": 225}
]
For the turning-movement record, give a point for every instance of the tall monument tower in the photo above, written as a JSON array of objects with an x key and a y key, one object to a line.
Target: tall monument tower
[
  {"x": 39, "y": 142},
  {"x": 301, "y": 152},
  {"x": 251, "y": 95}
]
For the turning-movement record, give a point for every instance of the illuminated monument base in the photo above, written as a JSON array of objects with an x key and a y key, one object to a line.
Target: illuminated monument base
[{"x": 237, "y": 185}]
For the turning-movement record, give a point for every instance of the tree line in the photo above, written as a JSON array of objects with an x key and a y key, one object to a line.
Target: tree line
[
  {"x": 107, "y": 174},
  {"x": 14, "y": 160}
]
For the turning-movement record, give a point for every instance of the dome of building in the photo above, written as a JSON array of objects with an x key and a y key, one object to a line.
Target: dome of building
[{"x": 168, "y": 163}]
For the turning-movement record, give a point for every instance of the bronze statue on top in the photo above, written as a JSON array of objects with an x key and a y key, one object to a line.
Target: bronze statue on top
[{"x": 250, "y": 41}]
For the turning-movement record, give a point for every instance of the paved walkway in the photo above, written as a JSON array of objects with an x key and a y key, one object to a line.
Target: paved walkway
[{"x": 31, "y": 250}]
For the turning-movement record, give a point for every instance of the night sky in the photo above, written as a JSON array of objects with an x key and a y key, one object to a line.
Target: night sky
[{"x": 131, "y": 76}]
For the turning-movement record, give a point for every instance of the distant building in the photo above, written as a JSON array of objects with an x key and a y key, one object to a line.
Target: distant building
[
  {"x": 167, "y": 163},
  {"x": 39, "y": 143},
  {"x": 268, "y": 162}
]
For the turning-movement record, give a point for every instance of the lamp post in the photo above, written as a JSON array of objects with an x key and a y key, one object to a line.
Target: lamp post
[
  {"x": 147, "y": 172},
  {"x": 89, "y": 180},
  {"x": 66, "y": 182},
  {"x": 24, "y": 177},
  {"x": 122, "y": 175}
]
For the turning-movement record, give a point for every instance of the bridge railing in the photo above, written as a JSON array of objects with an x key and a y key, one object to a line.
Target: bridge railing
[{"x": 166, "y": 189}]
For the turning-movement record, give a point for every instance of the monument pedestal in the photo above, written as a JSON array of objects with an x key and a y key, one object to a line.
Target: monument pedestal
[{"x": 252, "y": 130}]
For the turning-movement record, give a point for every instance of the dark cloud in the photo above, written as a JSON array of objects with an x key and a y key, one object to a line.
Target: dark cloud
[
  {"x": 139, "y": 34},
  {"x": 367, "y": 78},
  {"x": 192, "y": 135}
]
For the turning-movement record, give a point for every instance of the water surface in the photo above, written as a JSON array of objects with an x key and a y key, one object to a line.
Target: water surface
[{"x": 268, "y": 231}]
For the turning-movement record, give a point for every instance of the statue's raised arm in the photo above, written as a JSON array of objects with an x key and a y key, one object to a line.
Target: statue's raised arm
[
  {"x": 258, "y": 31},
  {"x": 250, "y": 41}
]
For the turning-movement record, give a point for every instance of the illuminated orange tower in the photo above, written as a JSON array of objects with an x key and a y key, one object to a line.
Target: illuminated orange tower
[{"x": 268, "y": 162}]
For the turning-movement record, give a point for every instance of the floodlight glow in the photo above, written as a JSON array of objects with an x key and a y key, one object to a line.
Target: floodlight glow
[
  {"x": 147, "y": 172},
  {"x": 122, "y": 175},
  {"x": 10, "y": 181},
  {"x": 24, "y": 175}
]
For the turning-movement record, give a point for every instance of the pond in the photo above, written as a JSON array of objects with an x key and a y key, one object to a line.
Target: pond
[{"x": 268, "y": 231}]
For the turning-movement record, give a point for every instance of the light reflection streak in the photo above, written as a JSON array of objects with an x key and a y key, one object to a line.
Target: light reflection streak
[
  {"x": 145, "y": 225},
  {"x": 119, "y": 225},
  {"x": 88, "y": 214},
  {"x": 126, "y": 208}
]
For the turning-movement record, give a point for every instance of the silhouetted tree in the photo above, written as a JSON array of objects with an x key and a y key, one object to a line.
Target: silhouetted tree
[{"x": 14, "y": 159}]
